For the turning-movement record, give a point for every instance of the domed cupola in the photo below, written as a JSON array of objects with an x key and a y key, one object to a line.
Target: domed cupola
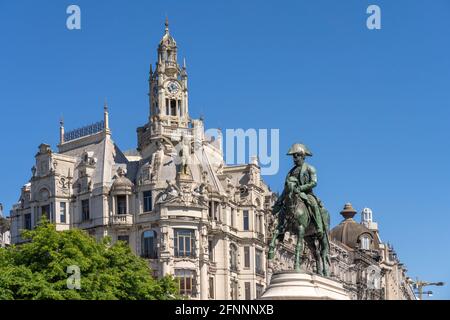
[
  {"x": 121, "y": 184},
  {"x": 353, "y": 234}
]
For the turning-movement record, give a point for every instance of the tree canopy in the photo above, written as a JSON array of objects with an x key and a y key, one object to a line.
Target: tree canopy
[{"x": 38, "y": 269}]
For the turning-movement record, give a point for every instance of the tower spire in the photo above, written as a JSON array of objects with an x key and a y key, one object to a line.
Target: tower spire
[
  {"x": 167, "y": 24},
  {"x": 106, "y": 117},
  {"x": 61, "y": 130}
]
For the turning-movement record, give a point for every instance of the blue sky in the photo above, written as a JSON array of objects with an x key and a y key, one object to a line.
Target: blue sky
[{"x": 373, "y": 106}]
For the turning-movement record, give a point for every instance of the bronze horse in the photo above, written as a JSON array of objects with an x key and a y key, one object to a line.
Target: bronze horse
[{"x": 295, "y": 216}]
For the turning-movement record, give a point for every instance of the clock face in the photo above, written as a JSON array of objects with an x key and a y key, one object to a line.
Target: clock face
[{"x": 172, "y": 87}]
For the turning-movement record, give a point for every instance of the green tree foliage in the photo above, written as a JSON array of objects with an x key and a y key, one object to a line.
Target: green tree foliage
[{"x": 38, "y": 269}]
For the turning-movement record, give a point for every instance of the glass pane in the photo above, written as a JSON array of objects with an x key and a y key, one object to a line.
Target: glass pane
[
  {"x": 247, "y": 257},
  {"x": 188, "y": 246},
  {"x": 246, "y": 224},
  {"x": 182, "y": 284},
  {"x": 188, "y": 283},
  {"x": 180, "y": 246}
]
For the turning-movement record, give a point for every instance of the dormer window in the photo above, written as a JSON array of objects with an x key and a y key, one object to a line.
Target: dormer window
[{"x": 365, "y": 242}]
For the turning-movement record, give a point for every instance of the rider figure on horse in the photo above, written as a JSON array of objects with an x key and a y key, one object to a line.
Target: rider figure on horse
[
  {"x": 298, "y": 189},
  {"x": 300, "y": 181}
]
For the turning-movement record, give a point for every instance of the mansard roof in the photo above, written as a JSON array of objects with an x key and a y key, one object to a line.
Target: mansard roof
[{"x": 107, "y": 156}]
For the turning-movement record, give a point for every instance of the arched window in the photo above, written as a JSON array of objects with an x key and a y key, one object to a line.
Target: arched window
[
  {"x": 233, "y": 257},
  {"x": 149, "y": 244}
]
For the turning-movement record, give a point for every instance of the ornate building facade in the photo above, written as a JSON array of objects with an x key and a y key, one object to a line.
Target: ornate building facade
[{"x": 175, "y": 201}]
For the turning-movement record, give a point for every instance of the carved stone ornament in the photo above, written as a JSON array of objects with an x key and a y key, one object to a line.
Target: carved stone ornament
[
  {"x": 185, "y": 193},
  {"x": 170, "y": 194},
  {"x": 63, "y": 186}
]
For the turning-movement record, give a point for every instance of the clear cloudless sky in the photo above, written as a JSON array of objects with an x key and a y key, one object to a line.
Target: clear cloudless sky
[{"x": 373, "y": 106}]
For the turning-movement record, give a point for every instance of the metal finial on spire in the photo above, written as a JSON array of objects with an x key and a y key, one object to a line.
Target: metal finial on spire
[
  {"x": 61, "y": 130},
  {"x": 167, "y": 24},
  {"x": 106, "y": 117}
]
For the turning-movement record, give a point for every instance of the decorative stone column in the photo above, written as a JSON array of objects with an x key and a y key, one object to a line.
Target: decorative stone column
[{"x": 204, "y": 283}]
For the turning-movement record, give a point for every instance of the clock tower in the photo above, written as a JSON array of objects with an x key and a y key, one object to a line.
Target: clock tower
[{"x": 168, "y": 89}]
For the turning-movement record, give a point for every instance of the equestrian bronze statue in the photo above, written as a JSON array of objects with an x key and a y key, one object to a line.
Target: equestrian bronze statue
[{"x": 301, "y": 212}]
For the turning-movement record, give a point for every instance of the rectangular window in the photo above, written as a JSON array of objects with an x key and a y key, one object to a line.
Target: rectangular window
[
  {"x": 211, "y": 288},
  {"x": 184, "y": 243},
  {"x": 27, "y": 221},
  {"x": 121, "y": 204},
  {"x": 149, "y": 245},
  {"x": 210, "y": 209},
  {"x": 185, "y": 280},
  {"x": 45, "y": 212},
  {"x": 62, "y": 212},
  {"x": 246, "y": 220},
  {"x": 259, "y": 291},
  {"x": 258, "y": 262},
  {"x": 180, "y": 108},
  {"x": 234, "y": 290},
  {"x": 85, "y": 214},
  {"x": 210, "y": 250},
  {"x": 246, "y": 257},
  {"x": 247, "y": 291},
  {"x": 216, "y": 210},
  {"x": 147, "y": 201},
  {"x": 124, "y": 238},
  {"x": 167, "y": 107},
  {"x": 232, "y": 217},
  {"x": 173, "y": 107}
]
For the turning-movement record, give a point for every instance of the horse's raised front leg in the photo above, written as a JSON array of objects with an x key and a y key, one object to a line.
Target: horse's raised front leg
[{"x": 299, "y": 248}]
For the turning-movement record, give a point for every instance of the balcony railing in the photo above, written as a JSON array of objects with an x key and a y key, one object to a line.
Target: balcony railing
[
  {"x": 177, "y": 132},
  {"x": 122, "y": 220},
  {"x": 171, "y": 64}
]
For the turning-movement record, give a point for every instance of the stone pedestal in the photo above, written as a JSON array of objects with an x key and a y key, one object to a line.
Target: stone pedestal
[
  {"x": 291, "y": 285},
  {"x": 182, "y": 177}
]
